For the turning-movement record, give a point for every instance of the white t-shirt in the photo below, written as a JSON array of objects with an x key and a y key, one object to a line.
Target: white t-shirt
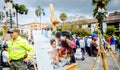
[
  {"x": 4, "y": 56},
  {"x": 88, "y": 41},
  {"x": 82, "y": 43}
]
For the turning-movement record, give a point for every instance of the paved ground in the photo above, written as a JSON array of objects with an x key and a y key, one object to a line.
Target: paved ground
[{"x": 87, "y": 64}]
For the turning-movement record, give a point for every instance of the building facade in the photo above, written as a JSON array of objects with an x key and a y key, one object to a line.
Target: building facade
[
  {"x": 36, "y": 25},
  {"x": 28, "y": 28},
  {"x": 113, "y": 19}
]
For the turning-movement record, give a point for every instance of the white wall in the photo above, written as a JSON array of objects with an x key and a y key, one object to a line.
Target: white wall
[
  {"x": 104, "y": 27},
  {"x": 93, "y": 28},
  {"x": 84, "y": 26}
]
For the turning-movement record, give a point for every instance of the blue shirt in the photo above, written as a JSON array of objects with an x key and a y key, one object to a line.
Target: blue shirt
[{"x": 112, "y": 40}]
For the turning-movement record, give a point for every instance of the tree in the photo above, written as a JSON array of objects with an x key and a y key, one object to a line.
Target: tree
[
  {"x": 63, "y": 17},
  {"x": 21, "y": 9},
  {"x": 96, "y": 32},
  {"x": 24, "y": 35},
  {"x": 110, "y": 30},
  {"x": 1, "y": 31},
  {"x": 81, "y": 32},
  {"x": 99, "y": 4},
  {"x": 100, "y": 11},
  {"x": 39, "y": 11}
]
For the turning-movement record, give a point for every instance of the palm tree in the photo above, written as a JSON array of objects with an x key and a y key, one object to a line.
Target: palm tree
[
  {"x": 100, "y": 11},
  {"x": 21, "y": 9},
  {"x": 63, "y": 17},
  {"x": 100, "y": 4},
  {"x": 39, "y": 11}
]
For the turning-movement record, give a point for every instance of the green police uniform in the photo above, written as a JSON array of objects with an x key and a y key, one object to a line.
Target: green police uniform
[{"x": 17, "y": 50}]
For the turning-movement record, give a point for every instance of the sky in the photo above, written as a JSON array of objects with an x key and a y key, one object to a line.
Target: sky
[{"x": 70, "y": 7}]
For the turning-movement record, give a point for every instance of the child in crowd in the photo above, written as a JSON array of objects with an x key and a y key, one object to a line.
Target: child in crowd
[{"x": 54, "y": 53}]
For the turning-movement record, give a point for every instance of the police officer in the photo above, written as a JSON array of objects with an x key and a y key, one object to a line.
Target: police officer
[{"x": 17, "y": 49}]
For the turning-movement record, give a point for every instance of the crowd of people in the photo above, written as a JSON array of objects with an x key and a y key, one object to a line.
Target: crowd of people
[
  {"x": 19, "y": 54},
  {"x": 66, "y": 46}
]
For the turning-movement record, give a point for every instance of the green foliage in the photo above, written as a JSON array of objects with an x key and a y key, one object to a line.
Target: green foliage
[
  {"x": 63, "y": 16},
  {"x": 96, "y": 32},
  {"x": 110, "y": 30},
  {"x": 21, "y": 9},
  {"x": 24, "y": 36},
  {"x": 99, "y": 4},
  {"x": 59, "y": 28},
  {"x": 105, "y": 36},
  {"x": 74, "y": 28},
  {"x": 1, "y": 33},
  {"x": 81, "y": 32},
  {"x": 39, "y": 11}
]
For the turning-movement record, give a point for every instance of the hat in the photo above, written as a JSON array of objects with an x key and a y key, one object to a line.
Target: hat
[
  {"x": 12, "y": 30},
  {"x": 93, "y": 35}
]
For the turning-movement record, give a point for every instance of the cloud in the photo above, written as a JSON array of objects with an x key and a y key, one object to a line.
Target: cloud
[
  {"x": 113, "y": 5},
  {"x": 70, "y": 7}
]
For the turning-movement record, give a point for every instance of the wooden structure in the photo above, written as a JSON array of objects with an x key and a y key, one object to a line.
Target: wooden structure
[
  {"x": 53, "y": 19},
  {"x": 72, "y": 66}
]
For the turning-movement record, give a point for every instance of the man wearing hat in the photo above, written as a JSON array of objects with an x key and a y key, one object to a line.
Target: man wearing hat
[
  {"x": 95, "y": 49},
  {"x": 17, "y": 48},
  {"x": 93, "y": 45}
]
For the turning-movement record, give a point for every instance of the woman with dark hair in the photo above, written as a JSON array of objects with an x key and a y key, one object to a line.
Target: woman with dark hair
[
  {"x": 69, "y": 51},
  {"x": 65, "y": 45}
]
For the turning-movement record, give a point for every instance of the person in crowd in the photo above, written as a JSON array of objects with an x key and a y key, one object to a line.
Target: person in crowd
[
  {"x": 82, "y": 45},
  {"x": 88, "y": 48},
  {"x": 93, "y": 45},
  {"x": 32, "y": 62},
  {"x": 73, "y": 44},
  {"x": 95, "y": 49},
  {"x": 118, "y": 41},
  {"x": 17, "y": 48},
  {"x": 54, "y": 52},
  {"x": 108, "y": 39},
  {"x": 86, "y": 43},
  {"x": 77, "y": 42},
  {"x": 63, "y": 39},
  {"x": 4, "y": 56},
  {"x": 112, "y": 43}
]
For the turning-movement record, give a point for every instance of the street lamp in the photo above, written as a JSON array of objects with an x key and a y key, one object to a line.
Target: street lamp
[
  {"x": 10, "y": 11},
  {"x": 101, "y": 18}
]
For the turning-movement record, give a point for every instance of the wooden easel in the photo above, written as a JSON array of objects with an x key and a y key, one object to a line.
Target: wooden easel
[
  {"x": 103, "y": 54},
  {"x": 53, "y": 19}
]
